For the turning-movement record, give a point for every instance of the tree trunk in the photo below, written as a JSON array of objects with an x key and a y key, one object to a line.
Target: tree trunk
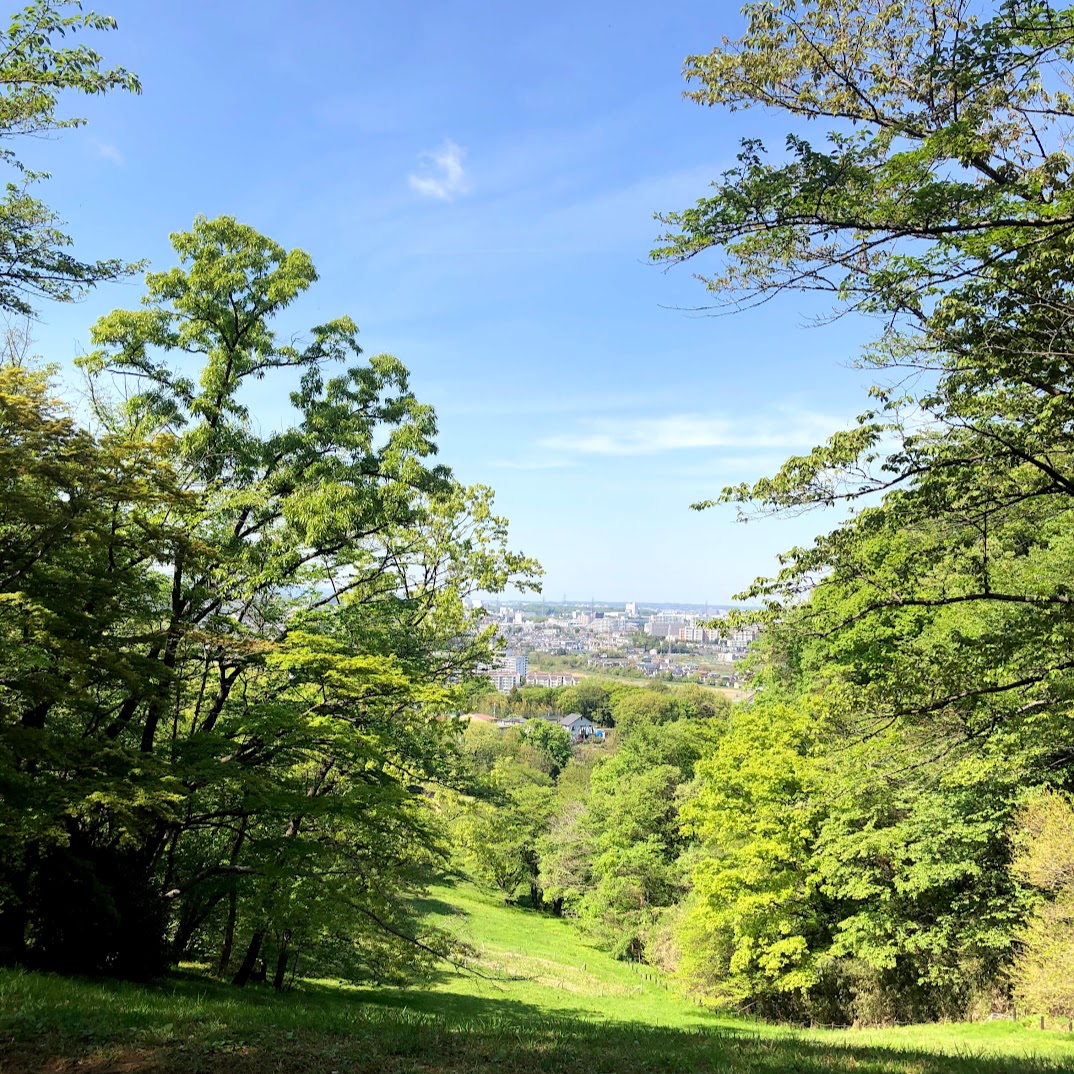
[
  {"x": 281, "y": 961},
  {"x": 189, "y": 920},
  {"x": 249, "y": 959},
  {"x": 233, "y": 904},
  {"x": 229, "y": 934}
]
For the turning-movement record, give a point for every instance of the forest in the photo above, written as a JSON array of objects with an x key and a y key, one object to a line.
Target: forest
[{"x": 233, "y": 658}]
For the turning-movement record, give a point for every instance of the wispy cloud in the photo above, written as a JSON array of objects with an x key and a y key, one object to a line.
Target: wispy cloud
[
  {"x": 679, "y": 432},
  {"x": 532, "y": 464},
  {"x": 109, "y": 152},
  {"x": 441, "y": 174}
]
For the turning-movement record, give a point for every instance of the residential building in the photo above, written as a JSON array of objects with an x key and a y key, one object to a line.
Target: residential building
[
  {"x": 504, "y": 681},
  {"x": 551, "y": 678},
  {"x": 515, "y": 663},
  {"x": 579, "y": 726}
]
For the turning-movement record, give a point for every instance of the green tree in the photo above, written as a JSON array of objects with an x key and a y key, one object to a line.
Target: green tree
[
  {"x": 293, "y": 619},
  {"x": 566, "y": 856},
  {"x": 551, "y": 740},
  {"x": 483, "y": 744},
  {"x": 1044, "y": 837},
  {"x": 76, "y": 589},
  {"x": 836, "y": 879},
  {"x": 35, "y": 72},
  {"x": 945, "y": 210},
  {"x": 500, "y": 836},
  {"x": 566, "y": 848},
  {"x": 633, "y": 817},
  {"x": 531, "y": 700},
  {"x": 590, "y": 699},
  {"x": 935, "y": 623},
  {"x": 633, "y": 708}
]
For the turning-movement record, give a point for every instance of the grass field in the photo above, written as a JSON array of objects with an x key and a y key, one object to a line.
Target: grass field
[{"x": 547, "y": 1002}]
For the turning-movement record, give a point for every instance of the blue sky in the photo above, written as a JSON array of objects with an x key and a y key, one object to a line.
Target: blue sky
[{"x": 476, "y": 183}]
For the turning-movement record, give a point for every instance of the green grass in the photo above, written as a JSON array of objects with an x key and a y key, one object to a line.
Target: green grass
[
  {"x": 547, "y": 1001},
  {"x": 543, "y": 962}
]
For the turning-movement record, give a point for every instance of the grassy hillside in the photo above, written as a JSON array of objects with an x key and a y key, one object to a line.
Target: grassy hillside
[
  {"x": 547, "y": 964},
  {"x": 547, "y": 1001},
  {"x": 542, "y": 962}
]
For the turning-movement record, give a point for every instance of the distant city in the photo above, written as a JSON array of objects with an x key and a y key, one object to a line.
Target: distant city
[{"x": 558, "y": 643}]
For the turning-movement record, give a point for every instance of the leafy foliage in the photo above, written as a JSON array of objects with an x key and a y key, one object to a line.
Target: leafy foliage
[
  {"x": 1045, "y": 859},
  {"x": 227, "y": 646},
  {"x": 854, "y": 859},
  {"x": 34, "y": 72}
]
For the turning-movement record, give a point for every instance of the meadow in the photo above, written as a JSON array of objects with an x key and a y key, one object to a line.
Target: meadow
[{"x": 545, "y": 1000}]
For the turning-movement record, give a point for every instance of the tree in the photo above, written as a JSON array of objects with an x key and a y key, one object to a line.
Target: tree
[
  {"x": 1044, "y": 837},
  {"x": 588, "y": 698},
  {"x": 243, "y": 769},
  {"x": 830, "y": 884},
  {"x": 638, "y": 708},
  {"x": 483, "y": 744},
  {"x": 35, "y": 72},
  {"x": 945, "y": 209},
  {"x": 633, "y": 817},
  {"x": 76, "y": 588},
  {"x": 501, "y": 835},
  {"x": 566, "y": 854},
  {"x": 565, "y": 850},
  {"x": 551, "y": 740},
  {"x": 931, "y": 629}
]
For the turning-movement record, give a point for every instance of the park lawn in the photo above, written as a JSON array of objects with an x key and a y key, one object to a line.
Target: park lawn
[{"x": 546, "y": 1001}]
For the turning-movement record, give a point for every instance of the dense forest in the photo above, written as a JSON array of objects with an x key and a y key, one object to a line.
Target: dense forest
[
  {"x": 232, "y": 657},
  {"x": 779, "y": 857}
]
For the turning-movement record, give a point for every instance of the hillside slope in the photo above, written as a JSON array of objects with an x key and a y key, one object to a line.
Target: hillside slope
[
  {"x": 546, "y": 1000},
  {"x": 546, "y": 962},
  {"x": 536, "y": 964}
]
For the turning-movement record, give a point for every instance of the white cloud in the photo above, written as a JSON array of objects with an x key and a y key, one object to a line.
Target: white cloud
[
  {"x": 441, "y": 175},
  {"x": 678, "y": 432},
  {"x": 532, "y": 464},
  {"x": 109, "y": 152}
]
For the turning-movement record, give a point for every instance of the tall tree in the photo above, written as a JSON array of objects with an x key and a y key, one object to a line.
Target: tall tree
[
  {"x": 933, "y": 627},
  {"x": 299, "y": 620},
  {"x": 941, "y": 201},
  {"x": 633, "y": 815}
]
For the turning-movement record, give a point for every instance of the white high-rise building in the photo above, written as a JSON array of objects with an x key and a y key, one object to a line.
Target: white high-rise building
[{"x": 632, "y": 608}]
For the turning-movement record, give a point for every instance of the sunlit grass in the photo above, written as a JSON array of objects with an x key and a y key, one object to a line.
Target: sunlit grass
[{"x": 547, "y": 1001}]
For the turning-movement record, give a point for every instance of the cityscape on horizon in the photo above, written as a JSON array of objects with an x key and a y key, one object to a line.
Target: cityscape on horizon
[{"x": 556, "y": 644}]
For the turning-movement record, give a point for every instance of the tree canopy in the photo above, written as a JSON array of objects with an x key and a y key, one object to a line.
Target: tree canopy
[
  {"x": 915, "y": 658},
  {"x": 227, "y": 645}
]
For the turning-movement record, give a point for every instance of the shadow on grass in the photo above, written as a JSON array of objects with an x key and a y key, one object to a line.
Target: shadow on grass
[
  {"x": 438, "y": 907},
  {"x": 184, "y": 1024}
]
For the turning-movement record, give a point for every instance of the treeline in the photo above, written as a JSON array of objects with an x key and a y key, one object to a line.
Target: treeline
[
  {"x": 606, "y": 704},
  {"x": 223, "y": 639},
  {"x": 776, "y": 859}
]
